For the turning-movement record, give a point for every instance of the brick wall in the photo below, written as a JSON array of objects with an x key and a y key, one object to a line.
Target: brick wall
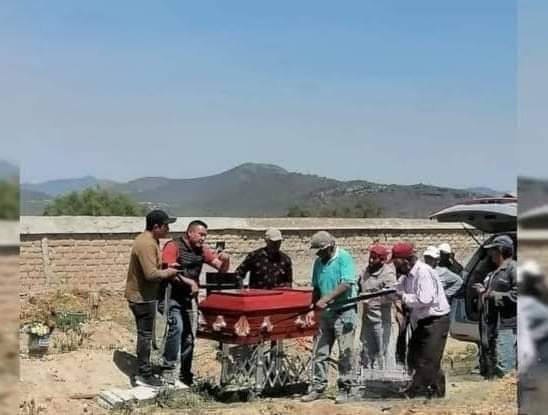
[{"x": 92, "y": 254}]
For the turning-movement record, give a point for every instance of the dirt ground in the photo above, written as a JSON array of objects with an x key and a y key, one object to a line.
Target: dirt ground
[{"x": 66, "y": 383}]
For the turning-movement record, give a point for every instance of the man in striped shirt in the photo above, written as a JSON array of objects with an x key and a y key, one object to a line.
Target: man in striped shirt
[{"x": 422, "y": 293}]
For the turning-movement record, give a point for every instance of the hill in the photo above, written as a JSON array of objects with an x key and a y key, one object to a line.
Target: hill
[{"x": 263, "y": 190}]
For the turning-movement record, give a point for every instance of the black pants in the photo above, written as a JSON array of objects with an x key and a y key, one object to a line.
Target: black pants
[
  {"x": 487, "y": 351},
  {"x": 144, "y": 318},
  {"x": 426, "y": 348},
  {"x": 401, "y": 345}
]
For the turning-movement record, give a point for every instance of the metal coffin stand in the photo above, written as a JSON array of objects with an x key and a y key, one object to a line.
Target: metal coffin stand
[
  {"x": 380, "y": 379},
  {"x": 375, "y": 384},
  {"x": 251, "y": 326}
]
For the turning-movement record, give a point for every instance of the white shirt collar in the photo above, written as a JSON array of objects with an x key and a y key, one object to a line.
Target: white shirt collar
[{"x": 415, "y": 268}]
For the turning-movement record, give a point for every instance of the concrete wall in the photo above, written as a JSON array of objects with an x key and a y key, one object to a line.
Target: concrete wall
[{"x": 92, "y": 253}]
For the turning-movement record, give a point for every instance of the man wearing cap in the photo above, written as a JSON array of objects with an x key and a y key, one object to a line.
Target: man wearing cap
[
  {"x": 447, "y": 259},
  {"x": 498, "y": 310},
  {"x": 451, "y": 282},
  {"x": 422, "y": 293},
  {"x": 191, "y": 252},
  {"x": 268, "y": 266},
  {"x": 380, "y": 326},
  {"x": 143, "y": 281},
  {"x": 333, "y": 282}
]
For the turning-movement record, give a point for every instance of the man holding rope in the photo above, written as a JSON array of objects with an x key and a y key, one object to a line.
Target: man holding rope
[
  {"x": 191, "y": 252},
  {"x": 421, "y": 290},
  {"x": 334, "y": 282}
]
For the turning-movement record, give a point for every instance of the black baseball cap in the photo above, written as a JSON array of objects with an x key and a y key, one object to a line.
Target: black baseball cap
[
  {"x": 159, "y": 217},
  {"x": 501, "y": 241}
]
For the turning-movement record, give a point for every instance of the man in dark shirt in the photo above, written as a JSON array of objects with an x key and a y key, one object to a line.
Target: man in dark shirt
[
  {"x": 498, "y": 311},
  {"x": 269, "y": 267}
]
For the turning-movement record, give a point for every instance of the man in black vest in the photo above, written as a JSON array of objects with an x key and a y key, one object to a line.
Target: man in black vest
[{"x": 189, "y": 251}]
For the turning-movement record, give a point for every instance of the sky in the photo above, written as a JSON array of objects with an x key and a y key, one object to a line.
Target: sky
[
  {"x": 393, "y": 91},
  {"x": 533, "y": 88}
]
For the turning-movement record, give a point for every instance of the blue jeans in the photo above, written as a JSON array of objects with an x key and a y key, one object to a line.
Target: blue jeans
[
  {"x": 180, "y": 340},
  {"x": 506, "y": 350}
]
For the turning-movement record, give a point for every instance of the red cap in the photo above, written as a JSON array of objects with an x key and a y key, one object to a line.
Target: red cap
[
  {"x": 379, "y": 250},
  {"x": 402, "y": 250}
]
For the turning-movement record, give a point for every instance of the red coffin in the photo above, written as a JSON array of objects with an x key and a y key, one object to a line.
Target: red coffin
[{"x": 250, "y": 316}]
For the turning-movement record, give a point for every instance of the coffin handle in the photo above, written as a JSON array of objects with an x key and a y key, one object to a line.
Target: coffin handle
[{"x": 242, "y": 328}]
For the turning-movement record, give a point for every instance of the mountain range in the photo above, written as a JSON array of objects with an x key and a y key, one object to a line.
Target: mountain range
[{"x": 262, "y": 190}]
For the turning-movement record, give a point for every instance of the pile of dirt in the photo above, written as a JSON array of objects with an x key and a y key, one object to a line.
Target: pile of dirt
[
  {"x": 109, "y": 335},
  {"x": 103, "y": 306},
  {"x": 51, "y": 381},
  {"x": 459, "y": 357}
]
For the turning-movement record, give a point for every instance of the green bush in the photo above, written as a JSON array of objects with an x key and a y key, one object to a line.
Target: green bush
[
  {"x": 94, "y": 202},
  {"x": 9, "y": 200}
]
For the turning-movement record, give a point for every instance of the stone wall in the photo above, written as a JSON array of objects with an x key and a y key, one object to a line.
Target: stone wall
[{"x": 92, "y": 253}]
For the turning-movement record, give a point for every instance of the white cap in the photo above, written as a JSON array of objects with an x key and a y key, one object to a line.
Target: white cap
[
  {"x": 432, "y": 252},
  {"x": 445, "y": 247},
  {"x": 273, "y": 234}
]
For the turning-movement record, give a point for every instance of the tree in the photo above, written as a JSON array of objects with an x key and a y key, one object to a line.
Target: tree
[
  {"x": 9, "y": 200},
  {"x": 94, "y": 202},
  {"x": 297, "y": 212}
]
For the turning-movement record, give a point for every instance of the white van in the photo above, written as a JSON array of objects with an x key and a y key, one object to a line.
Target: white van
[{"x": 493, "y": 216}]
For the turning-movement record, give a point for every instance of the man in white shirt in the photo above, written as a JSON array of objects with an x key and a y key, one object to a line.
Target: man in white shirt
[{"x": 422, "y": 293}]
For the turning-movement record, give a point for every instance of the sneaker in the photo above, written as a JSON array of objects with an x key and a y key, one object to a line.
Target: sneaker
[
  {"x": 149, "y": 381},
  {"x": 176, "y": 384},
  {"x": 312, "y": 396}
]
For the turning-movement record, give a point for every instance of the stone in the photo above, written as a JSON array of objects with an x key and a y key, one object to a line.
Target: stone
[
  {"x": 109, "y": 400},
  {"x": 144, "y": 394}
]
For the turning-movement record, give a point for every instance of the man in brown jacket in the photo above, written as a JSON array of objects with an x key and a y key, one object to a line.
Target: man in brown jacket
[{"x": 143, "y": 281}]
